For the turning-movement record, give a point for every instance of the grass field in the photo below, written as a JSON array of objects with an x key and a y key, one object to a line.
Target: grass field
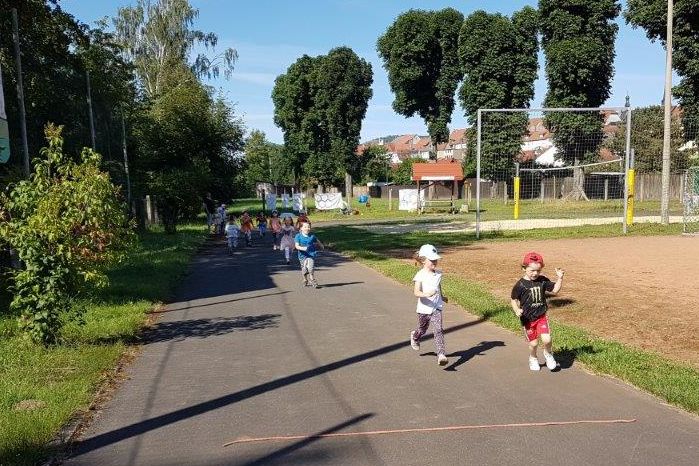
[
  {"x": 675, "y": 382},
  {"x": 41, "y": 389},
  {"x": 490, "y": 210}
]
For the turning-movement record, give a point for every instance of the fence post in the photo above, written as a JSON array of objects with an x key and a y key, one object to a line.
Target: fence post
[
  {"x": 606, "y": 189},
  {"x": 478, "y": 176}
]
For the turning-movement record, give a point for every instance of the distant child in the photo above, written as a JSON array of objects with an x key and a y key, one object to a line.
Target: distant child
[
  {"x": 262, "y": 224},
  {"x": 430, "y": 300},
  {"x": 529, "y": 303},
  {"x": 275, "y": 224},
  {"x": 305, "y": 243},
  {"x": 303, "y": 217},
  {"x": 221, "y": 218},
  {"x": 232, "y": 232},
  {"x": 246, "y": 227},
  {"x": 287, "y": 238}
]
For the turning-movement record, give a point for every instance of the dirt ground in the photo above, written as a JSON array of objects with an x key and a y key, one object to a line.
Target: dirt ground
[{"x": 643, "y": 291}]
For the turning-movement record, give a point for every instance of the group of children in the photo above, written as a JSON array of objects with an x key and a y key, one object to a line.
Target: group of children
[
  {"x": 285, "y": 237},
  {"x": 528, "y": 300}
]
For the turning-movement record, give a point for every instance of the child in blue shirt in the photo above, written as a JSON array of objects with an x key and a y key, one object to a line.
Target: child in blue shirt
[{"x": 305, "y": 244}]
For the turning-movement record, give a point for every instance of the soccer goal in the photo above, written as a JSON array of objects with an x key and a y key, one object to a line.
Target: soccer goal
[
  {"x": 552, "y": 167},
  {"x": 691, "y": 201}
]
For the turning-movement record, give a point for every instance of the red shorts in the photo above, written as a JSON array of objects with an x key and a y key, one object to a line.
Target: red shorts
[{"x": 536, "y": 328}]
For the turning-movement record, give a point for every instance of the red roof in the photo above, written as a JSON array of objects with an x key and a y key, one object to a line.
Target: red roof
[{"x": 442, "y": 168}]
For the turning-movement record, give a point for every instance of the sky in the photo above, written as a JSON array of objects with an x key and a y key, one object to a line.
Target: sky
[{"x": 270, "y": 35}]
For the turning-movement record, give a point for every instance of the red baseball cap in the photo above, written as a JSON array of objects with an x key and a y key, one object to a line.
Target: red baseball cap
[{"x": 531, "y": 257}]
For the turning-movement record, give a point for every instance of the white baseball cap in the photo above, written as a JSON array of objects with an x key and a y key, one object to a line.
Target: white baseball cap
[{"x": 429, "y": 252}]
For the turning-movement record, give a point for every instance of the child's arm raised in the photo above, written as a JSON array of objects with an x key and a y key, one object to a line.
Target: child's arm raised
[{"x": 559, "y": 281}]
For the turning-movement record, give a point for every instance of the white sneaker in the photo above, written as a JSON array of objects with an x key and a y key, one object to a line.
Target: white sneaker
[
  {"x": 550, "y": 361},
  {"x": 534, "y": 364},
  {"x": 442, "y": 359},
  {"x": 414, "y": 344}
]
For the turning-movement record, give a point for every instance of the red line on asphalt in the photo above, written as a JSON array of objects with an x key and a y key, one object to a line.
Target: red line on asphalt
[{"x": 427, "y": 429}]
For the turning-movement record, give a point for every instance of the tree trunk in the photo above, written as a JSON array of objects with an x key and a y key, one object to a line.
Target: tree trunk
[
  {"x": 169, "y": 217},
  {"x": 578, "y": 191}
]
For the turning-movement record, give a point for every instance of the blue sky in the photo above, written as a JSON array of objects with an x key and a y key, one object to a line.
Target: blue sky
[{"x": 270, "y": 35}]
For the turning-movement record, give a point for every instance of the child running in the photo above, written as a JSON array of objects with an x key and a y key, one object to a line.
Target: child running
[
  {"x": 529, "y": 304},
  {"x": 261, "y": 224},
  {"x": 430, "y": 300},
  {"x": 287, "y": 238},
  {"x": 246, "y": 227},
  {"x": 221, "y": 219},
  {"x": 305, "y": 243},
  {"x": 275, "y": 225},
  {"x": 303, "y": 217},
  {"x": 232, "y": 231}
]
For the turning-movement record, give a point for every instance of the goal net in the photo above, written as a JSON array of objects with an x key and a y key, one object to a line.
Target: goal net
[{"x": 691, "y": 201}]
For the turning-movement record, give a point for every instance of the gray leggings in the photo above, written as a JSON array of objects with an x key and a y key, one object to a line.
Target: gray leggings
[{"x": 423, "y": 321}]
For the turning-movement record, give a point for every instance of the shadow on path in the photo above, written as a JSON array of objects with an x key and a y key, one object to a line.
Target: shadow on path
[
  {"x": 141, "y": 427},
  {"x": 203, "y": 328}
]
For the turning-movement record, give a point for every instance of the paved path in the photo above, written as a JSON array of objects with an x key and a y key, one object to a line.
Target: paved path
[{"x": 246, "y": 352}]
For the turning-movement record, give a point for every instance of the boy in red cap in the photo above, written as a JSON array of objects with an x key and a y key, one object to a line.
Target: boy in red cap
[{"x": 529, "y": 303}]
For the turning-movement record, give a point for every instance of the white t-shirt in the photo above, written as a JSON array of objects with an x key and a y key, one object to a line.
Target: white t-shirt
[
  {"x": 429, "y": 282},
  {"x": 231, "y": 230}
]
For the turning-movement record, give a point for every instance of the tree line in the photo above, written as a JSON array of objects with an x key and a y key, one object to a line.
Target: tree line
[
  {"x": 492, "y": 59},
  {"x": 146, "y": 84}
]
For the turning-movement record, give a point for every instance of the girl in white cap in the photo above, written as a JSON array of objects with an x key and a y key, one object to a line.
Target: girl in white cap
[{"x": 430, "y": 300}]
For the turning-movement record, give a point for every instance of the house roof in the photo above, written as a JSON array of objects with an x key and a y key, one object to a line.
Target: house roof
[{"x": 444, "y": 169}]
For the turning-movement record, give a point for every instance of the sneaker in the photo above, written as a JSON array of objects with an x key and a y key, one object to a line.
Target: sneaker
[
  {"x": 442, "y": 359},
  {"x": 534, "y": 364},
  {"x": 550, "y": 361},
  {"x": 414, "y": 344}
]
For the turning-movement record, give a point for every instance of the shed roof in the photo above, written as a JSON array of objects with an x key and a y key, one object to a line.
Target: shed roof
[{"x": 444, "y": 169}]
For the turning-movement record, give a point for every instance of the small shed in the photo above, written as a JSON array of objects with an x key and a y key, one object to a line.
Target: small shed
[{"x": 445, "y": 171}]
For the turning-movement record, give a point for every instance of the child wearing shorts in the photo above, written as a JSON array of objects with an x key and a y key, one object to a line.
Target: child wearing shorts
[
  {"x": 529, "y": 304},
  {"x": 305, "y": 244}
]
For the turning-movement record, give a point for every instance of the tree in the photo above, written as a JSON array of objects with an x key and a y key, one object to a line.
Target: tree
[
  {"x": 157, "y": 35},
  {"x": 404, "y": 173},
  {"x": 67, "y": 224},
  {"x": 578, "y": 41},
  {"x": 372, "y": 164},
  {"x": 187, "y": 143},
  {"x": 651, "y": 15},
  {"x": 319, "y": 104},
  {"x": 419, "y": 51},
  {"x": 264, "y": 161},
  {"x": 57, "y": 50},
  {"x": 499, "y": 59},
  {"x": 647, "y": 140}
]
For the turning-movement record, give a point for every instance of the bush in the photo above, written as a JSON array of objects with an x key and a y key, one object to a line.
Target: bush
[{"x": 67, "y": 224}]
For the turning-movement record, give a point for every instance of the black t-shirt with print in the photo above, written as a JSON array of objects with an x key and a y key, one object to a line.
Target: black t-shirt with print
[{"x": 532, "y": 297}]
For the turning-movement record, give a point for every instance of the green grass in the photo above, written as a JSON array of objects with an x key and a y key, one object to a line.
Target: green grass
[
  {"x": 490, "y": 210},
  {"x": 65, "y": 377},
  {"x": 676, "y": 383}
]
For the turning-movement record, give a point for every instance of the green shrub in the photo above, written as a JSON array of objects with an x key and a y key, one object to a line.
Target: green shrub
[{"x": 67, "y": 223}]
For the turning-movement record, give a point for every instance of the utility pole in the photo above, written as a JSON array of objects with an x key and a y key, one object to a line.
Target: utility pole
[
  {"x": 665, "y": 196},
  {"x": 126, "y": 159},
  {"x": 89, "y": 107},
  {"x": 20, "y": 94}
]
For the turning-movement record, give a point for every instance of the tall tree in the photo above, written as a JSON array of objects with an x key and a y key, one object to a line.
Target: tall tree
[
  {"x": 578, "y": 41},
  {"x": 647, "y": 140},
  {"x": 651, "y": 15},
  {"x": 499, "y": 59},
  {"x": 157, "y": 35},
  {"x": 419, "y": 51},
  {"x": 320, "y": 103},
  {"x": 186, "y": 145}
]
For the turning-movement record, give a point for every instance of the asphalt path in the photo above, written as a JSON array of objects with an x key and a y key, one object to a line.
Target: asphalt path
[{"x": 247, "y": 355}]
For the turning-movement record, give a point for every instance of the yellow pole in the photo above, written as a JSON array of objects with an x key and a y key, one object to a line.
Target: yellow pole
[
  {"x": 516, "y": 193},
  {"x": 630, "y": 196}
]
